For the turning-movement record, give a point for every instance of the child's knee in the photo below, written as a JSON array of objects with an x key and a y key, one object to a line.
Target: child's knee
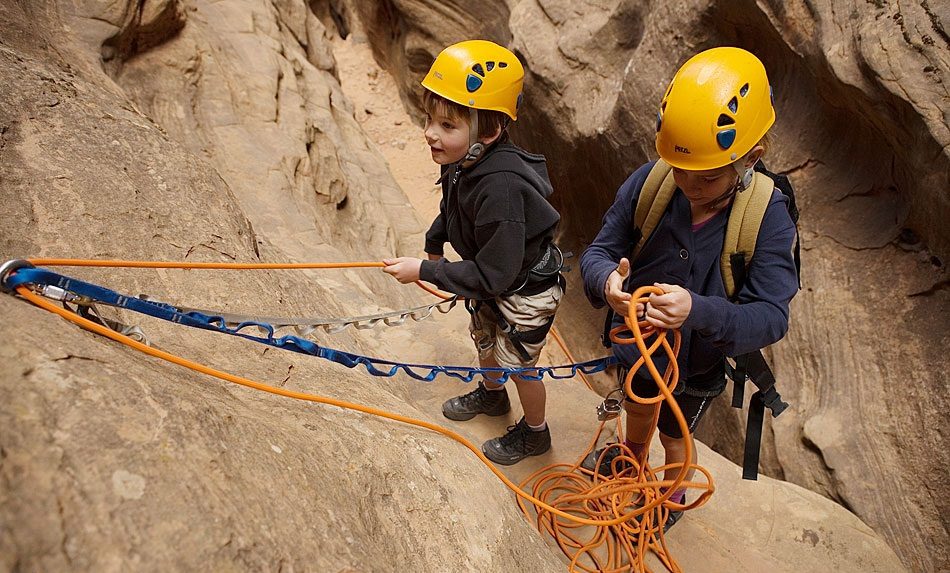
[{"x": 672, "y": 442}]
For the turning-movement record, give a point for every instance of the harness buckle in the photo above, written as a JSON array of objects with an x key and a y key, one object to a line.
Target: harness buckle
[
  {"x": 609, "y": 409},
  {"x": 10, "y": 267},
  {"x": 773, "y": 401}
]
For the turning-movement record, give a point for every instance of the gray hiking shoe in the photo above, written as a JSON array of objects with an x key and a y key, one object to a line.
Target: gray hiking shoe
[
  {"x": 606, "y": 465},
  {"x": 672, "y": 516},
  {"x": 519, "y": 443},
  {"x": 478, "y": 401}
]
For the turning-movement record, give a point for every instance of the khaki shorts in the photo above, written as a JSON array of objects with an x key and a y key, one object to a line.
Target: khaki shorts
[{"x": 523, "y": 313}]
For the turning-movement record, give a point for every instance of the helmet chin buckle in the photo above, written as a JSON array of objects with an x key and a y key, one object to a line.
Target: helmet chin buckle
[
  {"x": 745, "y": 173},
  {"x": 746, "y": 178},
  {"x": 474, "y": 152},
  {"x": 475, "y": 147}
]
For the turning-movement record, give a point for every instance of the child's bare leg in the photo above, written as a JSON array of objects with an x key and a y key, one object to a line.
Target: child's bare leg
[
  {"x": 533, "y": 399},
  {"x": 640, "y": 419},
  {"x": 532, "y": 393},
  {"x": 676, "y": 453},
  {"x": 489, "y": 362}
]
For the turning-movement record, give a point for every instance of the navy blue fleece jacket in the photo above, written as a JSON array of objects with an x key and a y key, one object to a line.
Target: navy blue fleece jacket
[{"x": 675, "y": 254}]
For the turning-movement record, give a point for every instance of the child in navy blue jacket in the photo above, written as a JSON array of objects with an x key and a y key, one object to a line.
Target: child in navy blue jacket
[{"x": 711, "y": 129}]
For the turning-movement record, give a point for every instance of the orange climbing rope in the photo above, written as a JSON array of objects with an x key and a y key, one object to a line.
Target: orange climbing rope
[
  {"x": 195, "y": 265},
  {"x": 217, "y": 266},
  {"x": 634, "y": 488},
  {"x": 605, "y": 523},
  {"x": 560, "y": 342}
]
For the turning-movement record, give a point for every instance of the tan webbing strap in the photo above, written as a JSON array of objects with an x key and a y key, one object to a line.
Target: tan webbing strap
[
  {"x": 654, "y": 197},
  {"x": 748, "y": 209}
]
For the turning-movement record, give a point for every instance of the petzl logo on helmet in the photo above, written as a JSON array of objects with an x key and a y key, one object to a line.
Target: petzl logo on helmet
[{"x": 679, "y": 149}]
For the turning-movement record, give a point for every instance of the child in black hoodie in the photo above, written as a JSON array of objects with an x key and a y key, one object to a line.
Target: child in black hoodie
[{"x": 495, "y": 214}]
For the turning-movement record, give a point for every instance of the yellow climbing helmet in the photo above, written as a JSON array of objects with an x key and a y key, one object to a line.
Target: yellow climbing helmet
[
  {"x": 478, "y": 74},
  {"x": 716, "y": 108}
]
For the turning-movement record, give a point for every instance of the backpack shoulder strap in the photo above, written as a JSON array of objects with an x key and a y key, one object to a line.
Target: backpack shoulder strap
[
  {"x": 742, "y": 230},
  {"x": 654, "y": 197}
]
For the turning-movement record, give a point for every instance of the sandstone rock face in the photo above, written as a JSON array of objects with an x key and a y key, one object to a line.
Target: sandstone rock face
[
  {"x": 862, "y": 130},
  {"x": 112, "y": 461},
  {"x": 249, "y": 86},
  {"x": 217, "y": 131}
]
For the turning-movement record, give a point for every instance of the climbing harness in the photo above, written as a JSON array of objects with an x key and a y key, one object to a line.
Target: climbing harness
[
  {"x": 544, "y": 274},
  {"x": 624, "y": 514},
  {"x": 517, "y": 337}
]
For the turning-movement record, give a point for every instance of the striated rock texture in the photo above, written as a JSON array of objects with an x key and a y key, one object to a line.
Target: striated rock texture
[
  {"x": 862, "y": 99},
  {"x": 250, "y": 86},
  {"x": 112, "y": 461},
  {"x": 217, "y": 131}
]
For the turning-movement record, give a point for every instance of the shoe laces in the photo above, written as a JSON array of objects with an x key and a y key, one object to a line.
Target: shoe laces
[
  {"x": 606, "y": 465},
  {"x": 477, "y": 395},
  {"x": 516, "y": 433},
  {"x": 611, "y": 454}
]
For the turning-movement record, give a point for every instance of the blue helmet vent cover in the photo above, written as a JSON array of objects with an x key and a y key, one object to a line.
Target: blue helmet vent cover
[
  {"x": 472, "y": 83},
  {"x": 726, "y": 138}
]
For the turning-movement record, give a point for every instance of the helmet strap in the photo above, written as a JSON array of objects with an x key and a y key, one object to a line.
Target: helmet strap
[
  {"x": 745, "y": 173},
  {"x": 743, "y": 182},
  {"x": 475, "y": 147}
]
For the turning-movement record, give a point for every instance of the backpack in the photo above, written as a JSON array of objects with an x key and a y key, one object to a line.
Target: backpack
[{"x": 742, "y": 230}]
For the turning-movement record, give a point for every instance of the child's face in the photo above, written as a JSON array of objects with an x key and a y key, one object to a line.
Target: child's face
[
  {"x": 705, "y": 188},
  {"x": 447, "y": 137}
]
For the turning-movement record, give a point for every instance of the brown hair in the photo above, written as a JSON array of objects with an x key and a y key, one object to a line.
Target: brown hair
[
  {"x": 490, "y": 122},
  {"x": 766, "y": 142}
]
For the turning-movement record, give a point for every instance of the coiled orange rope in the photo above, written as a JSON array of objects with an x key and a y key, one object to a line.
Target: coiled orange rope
[
  {"x": 605, "y": 523},
  {"x": 634, "y": 490}
]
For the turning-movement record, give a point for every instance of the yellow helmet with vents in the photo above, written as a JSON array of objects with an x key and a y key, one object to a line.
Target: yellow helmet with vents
[
  {"x": 716, "y": 108},
  {"x": 478, "y": 74}
]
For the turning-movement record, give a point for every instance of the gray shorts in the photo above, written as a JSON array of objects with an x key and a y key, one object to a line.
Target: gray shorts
[{"x": 523, "y": 313}]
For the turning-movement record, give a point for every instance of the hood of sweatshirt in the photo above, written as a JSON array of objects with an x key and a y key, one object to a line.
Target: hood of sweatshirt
[{"x": 510, "y": 158}]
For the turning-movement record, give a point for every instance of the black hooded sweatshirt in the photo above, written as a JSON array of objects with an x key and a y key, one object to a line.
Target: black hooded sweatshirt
[{"x": 497, "y": 218}]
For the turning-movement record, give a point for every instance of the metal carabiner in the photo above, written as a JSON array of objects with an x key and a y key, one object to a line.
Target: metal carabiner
[
  {"x": 10, "y": 267},
  {"x": 610, "y": 408}
]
